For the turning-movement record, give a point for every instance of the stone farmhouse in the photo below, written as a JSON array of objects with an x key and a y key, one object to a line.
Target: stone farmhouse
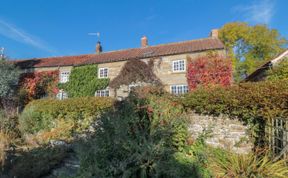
[{"x": 171, "y": 62}]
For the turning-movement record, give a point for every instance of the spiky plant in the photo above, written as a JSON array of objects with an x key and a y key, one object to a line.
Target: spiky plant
[{"x": 253, "y": 165}]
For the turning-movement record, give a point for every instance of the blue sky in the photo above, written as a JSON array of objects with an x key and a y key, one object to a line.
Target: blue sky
[{"x": 42, "y": 28}]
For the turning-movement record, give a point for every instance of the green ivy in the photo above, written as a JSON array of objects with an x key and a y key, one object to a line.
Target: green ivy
[{"x": 84, "y": 81}]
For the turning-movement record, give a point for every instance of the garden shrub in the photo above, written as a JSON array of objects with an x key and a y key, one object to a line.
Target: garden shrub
[
  {"x": 45, "y": 114},
  {"x": 137, "y": 139},
  {"x": 9, "y": 124},
  {"x": 63, "y": 130},
  {"x": 246, "y": 101},
  {"x": 227, "y": 164},
  {"x": 84, "y": 81}
]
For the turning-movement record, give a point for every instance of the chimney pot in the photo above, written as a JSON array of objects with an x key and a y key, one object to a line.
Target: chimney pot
[
  {"x": 98, "y": 47},
  {"x": 214, "y": 33},
  {"x": 144, "y": 42}
]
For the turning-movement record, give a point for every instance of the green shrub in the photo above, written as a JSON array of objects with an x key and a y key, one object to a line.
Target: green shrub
[
  {"x": 247, "y": 101},
  {"x": 143, "y": 137},
  {"x": 9, "y": 125},
  {"x": 43, "y": 115}
]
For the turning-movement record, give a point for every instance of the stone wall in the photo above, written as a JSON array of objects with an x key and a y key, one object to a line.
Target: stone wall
[{"x": 230, "y": 134}]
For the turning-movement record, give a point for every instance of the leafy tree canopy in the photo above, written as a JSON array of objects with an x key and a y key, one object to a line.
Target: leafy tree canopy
[
  {"x": 279, "y": 72},
  {"x": 8, "y": 78},
  {"x": 250, "y": 46}
]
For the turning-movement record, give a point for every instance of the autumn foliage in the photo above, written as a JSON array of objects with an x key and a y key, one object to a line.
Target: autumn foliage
[
  {"x": 207, "y": 70},
  {"x": 39, "y": 84},
  {"x": 136, "y": 71}
]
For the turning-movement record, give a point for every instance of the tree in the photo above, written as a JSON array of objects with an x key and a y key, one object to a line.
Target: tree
[
  {"x": 279, "y": 72},
  {"x": 136, "y": 71},
  {"x": 249, "y": 46},
  {"x": 9, "y": 76},
  {"x": 8, "y": 79}
]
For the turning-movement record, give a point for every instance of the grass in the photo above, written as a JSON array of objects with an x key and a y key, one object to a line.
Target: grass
[{"x": 4, "y": 145}]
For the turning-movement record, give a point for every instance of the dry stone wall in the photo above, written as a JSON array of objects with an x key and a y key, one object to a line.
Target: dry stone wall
[{"x": 223, "y": 132}]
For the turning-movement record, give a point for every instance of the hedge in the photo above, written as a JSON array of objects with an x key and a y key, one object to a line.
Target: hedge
[
  {"x": 265, "y": 100},
  {"x": 44, "y": 114}
]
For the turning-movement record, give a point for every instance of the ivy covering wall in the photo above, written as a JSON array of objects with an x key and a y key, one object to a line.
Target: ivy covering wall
[
  {"x": 211, "y": 69},
  {"x": 84, "y": 81},
  {"x": 38, "y": 84}
]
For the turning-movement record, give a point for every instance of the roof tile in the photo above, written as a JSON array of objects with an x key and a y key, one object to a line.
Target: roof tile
[{"x": 127, "y": 54}]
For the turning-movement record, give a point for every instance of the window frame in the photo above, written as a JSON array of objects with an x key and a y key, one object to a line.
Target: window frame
[
  {"x": 177, "y": 61},
  {"x": 177, "y": 89},
  {"x": 102, "y": 93},
  {"x": 67, "y": 73},
  {"x": 99, "y": 72}
]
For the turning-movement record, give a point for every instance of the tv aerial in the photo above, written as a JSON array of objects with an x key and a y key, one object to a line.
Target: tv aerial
[{"x": 95, "y": 34}]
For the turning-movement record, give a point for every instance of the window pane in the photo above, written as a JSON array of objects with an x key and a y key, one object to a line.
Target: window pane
[
  {"x": 64, "y": 77},
  {"x": 102, "y": 93},
  {"x": 103, "y": 72},
  {"x": 179, "y": 89},
  {"x": 178, "y": 65}
]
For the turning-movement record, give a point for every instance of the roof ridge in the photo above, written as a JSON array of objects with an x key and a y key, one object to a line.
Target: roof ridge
[
  {"x": 106, "y": 52},
  {"x": 187, "y": 41},
  {"x": 163, "y": 44},
  {"x": 35, "y": 58}
]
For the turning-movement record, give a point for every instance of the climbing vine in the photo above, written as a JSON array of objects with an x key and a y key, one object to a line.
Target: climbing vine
[
  {"x": 38, "y": 84},
  {"x": 207, "y": 70},
  {"x": 136, "y": 71},
  {"x": 84, "y": 81}
]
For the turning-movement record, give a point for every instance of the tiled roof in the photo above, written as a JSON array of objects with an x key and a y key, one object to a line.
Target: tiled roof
[
  {"x": 127, "y": 54},
  {"x": 53, "y": 61}
]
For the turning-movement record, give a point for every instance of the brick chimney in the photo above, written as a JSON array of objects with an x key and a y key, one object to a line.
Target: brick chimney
[
  {"x": 98, "y": 47},
  {"x": 144, "y": 42},
  {"x": 214, "y": 33}
]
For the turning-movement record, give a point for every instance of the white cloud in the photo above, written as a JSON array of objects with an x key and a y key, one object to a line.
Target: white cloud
[
  {"x": 259, "y": 11},
  {"x": 12, "y": 32}
]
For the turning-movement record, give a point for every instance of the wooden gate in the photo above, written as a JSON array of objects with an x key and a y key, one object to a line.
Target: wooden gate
[{"x": 277, "y": 131}]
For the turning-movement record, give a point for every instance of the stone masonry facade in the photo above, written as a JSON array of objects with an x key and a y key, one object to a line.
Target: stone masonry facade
[
  {"x": 170, "y": 62},
  {"x": 221, "y": 132},
  {"x": 162, "y": 69}
]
